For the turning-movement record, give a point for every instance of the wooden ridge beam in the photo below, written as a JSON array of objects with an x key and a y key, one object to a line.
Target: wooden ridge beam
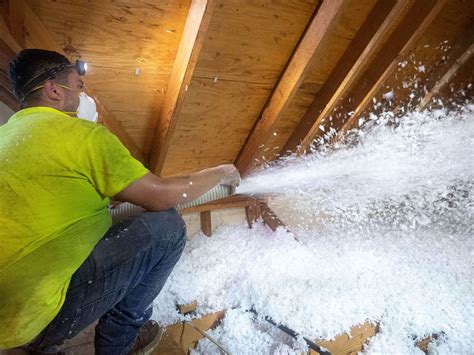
[
  {"x": 295, "y": 72},
  {"x": 410, "y": 30},
  {"x": 195, "y": 29},
  {"x": 373, "y": 31},
  {"x": 27, "y": 29}
]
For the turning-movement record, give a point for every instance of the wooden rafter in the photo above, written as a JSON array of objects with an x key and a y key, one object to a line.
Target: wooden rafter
[
  {"x": 8, "y": 48},
  {"x": 7, "y": 38},
  {"x": 410, "y": 30},
  {"x": 459, "y": 54},
  {"x": 446, "y": 79},
  {"x": 16, "y": 16},
  {"x": 291, "y": 79},
  {"x": 374, "y": 30},
  {"x": 195, "y": 29},
  {"x": 6, "y": 96},
  {"x": 353, "y": 89},
  {"x": 27, "y": 29}
]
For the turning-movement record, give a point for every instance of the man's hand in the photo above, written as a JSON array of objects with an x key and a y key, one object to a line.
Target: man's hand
[{"x": 230, "y": 176}]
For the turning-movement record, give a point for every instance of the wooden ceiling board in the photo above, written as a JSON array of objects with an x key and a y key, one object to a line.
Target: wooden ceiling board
[
  {"x": 140, "y": 127},
  {"x": 116, "y": 34},
  {"x": 211, "y": 132},
  {"x": 290, "y": 119},
  {"x": 122, "y": 90},
  {"x": 116, "y": 37},
  {"x": 251, "y": 41},
  {"x": 254, "y": 40}
]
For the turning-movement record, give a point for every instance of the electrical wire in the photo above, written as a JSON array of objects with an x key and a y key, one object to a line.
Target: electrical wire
[{"x": 216, "y": 343}]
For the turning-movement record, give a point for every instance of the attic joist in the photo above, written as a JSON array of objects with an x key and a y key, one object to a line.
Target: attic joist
[
  {"x": 194, "y": 33},
  {"x": 398, "y": 46},
  {"x": 27, "y": 31},
  {"x": 295, "y": 72}
]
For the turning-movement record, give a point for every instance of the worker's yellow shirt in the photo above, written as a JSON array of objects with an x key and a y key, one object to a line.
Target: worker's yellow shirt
[{"x": 56, "y": 176}]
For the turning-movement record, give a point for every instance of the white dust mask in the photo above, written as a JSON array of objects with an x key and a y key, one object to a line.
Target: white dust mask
[{"x": 87, "y": 109}]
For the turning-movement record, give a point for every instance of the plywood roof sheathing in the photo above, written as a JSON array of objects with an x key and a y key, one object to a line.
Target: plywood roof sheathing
[
  {"x": 6, "y": 96},
  {"x": 398, "y": 45},
  {"x": 289, "y": 82},
  {"x": 16, "y": 17},
  {"x": 374, "y": 30},
  {"x": 195, "y": 29},
  {"x": 36, "y": 35},
  {"x": 461, "y": 52}
]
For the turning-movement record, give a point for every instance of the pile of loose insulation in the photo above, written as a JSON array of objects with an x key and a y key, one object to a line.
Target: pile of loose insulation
[{"x": 386, "y": 238}]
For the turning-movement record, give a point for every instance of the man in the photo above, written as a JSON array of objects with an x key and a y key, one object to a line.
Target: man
[{"x": 62, "y": 265}]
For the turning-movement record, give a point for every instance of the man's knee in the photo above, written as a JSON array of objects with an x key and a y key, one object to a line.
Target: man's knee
[{"x": 166, "y": 225}]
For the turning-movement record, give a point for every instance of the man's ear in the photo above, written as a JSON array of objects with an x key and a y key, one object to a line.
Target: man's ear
[{"x": 51, "y": 91}]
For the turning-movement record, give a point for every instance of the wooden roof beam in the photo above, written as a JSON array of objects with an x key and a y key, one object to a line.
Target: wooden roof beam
[
  {"x": 410, "y": 30},
  {"x": 400, "y": 28},
  {"x": 447, "y": 77},
  {"x": 6, "y": 36},
  {"x": 6, "y": 95},
  {"x": 195, "y": 28},
  {"x": 458, "y": 56},
  {"x": 27, "y": 31},
  {"x": 8, "y": 49},
  {"x": 372, "y": 33},
  {"x": 295, "y": 72}
]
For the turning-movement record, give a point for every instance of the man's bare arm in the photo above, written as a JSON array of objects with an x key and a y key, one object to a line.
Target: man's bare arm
[{"x": 157, "y": 194}]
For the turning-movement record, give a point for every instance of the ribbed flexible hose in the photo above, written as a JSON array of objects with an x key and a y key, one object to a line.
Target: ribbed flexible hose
[{"x": 126, "y": 209}]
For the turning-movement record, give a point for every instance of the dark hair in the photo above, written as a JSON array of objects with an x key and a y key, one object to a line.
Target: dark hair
[{"x": 30, "y": 63}]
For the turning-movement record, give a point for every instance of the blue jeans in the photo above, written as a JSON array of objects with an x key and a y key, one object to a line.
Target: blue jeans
[{"x": 118, "y": 283}]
